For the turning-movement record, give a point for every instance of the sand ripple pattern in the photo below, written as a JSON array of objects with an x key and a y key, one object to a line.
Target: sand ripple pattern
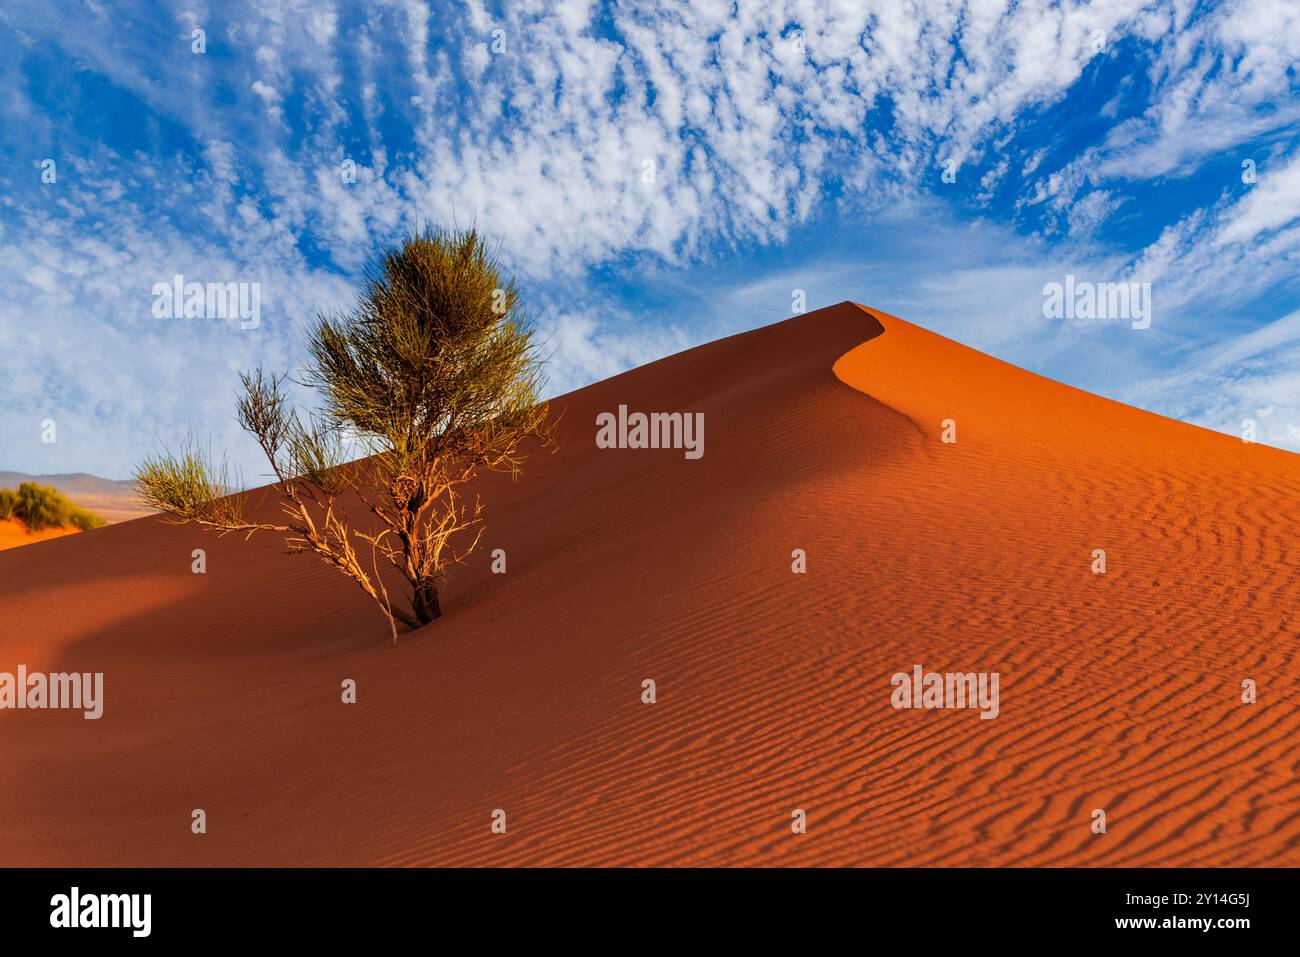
[{"x": 1119, "y": 691}]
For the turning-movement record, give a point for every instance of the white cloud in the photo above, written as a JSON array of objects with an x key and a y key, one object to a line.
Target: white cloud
[
  {"x": 581, "y": 349},
  {"x": 1088, "y": 214},
  {"x": 1220, "y": 81},
  {"x": 1273, "y": 202},
  {"x": 1234, "y": 250}
]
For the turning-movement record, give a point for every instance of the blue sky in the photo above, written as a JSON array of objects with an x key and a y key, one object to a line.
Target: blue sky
[{"x": 793, "y": 146}]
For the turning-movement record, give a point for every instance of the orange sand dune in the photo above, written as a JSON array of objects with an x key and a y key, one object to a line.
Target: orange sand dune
[
  {"x": 14, "y": 532},
  {"x": 1119, "y": 691}
]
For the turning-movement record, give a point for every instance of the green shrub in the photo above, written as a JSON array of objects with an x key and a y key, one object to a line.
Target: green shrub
[
  {"x": 40, "y": 506},
  {"x": 436, "y": 373},
  {"x": 85, "y": 520}
]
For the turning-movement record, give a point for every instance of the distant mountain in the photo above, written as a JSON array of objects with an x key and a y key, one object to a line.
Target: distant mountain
[{"x": 71, "y": 484}]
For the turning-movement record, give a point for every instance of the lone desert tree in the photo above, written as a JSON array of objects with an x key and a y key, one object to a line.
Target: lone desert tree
[{"x": 435, "y": 373}]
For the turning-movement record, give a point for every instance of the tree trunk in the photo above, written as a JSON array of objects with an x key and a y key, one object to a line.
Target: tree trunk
[{"x": 426, "y": 604}]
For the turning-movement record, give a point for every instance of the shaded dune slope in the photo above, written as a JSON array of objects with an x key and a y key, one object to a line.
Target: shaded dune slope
[{"x": 1118, "y": 691}]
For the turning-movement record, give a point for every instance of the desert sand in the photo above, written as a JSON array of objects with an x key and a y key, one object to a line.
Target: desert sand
[
  {"x": 14, "y": 533},
  {"x": 1120, "y": 691}
]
